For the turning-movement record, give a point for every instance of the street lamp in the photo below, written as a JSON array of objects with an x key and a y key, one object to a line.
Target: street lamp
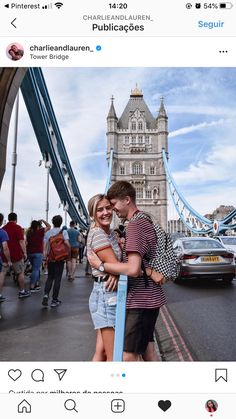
[
  {"x": 14, "y": 156},
  {"x": 48, "y": 165}
]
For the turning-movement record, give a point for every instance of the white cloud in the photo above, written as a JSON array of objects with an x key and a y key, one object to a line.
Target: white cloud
[{"x": 192, "y": 128}]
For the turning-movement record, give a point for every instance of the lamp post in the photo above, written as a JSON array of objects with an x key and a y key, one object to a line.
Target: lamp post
[
  {"x": 14, "y": 156},
  {"x": 48, "y": 166}
]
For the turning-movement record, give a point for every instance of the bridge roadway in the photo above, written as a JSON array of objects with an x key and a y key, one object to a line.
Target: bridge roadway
[
  {"x": 29, "y": 332},
  {"x": 198, "y": 323}
]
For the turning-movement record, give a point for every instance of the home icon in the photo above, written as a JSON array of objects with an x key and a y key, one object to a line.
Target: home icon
[{"x": 24, "y": 407}]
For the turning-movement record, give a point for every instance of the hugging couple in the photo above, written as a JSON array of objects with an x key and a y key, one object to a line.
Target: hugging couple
[{"x": 109, "y": 258}]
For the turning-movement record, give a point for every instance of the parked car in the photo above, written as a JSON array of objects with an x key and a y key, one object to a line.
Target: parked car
[
  {"x": 203, "y": 257},
  {"x": 229, "y": 242}
]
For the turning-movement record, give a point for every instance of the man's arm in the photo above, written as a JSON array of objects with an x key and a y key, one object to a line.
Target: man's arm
[
  {"x": 67, "y": 243},
  {"x": 6, "y": 252},
  {"x": 23, "y": 247},
  {"x": 130, "y": 268}
]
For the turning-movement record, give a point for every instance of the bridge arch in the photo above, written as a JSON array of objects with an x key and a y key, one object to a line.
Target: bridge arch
[{"x": 10, "y": 81}]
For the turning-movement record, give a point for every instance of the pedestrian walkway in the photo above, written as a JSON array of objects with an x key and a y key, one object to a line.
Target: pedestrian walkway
[{"x": 29, "y": 332}]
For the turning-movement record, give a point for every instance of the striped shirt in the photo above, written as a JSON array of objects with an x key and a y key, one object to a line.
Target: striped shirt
[
  {"x": 98, "y": 239},
  {"x": 141, "y": 238}
]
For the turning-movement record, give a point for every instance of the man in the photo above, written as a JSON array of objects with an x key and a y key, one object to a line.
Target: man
[
  {"x": 143, "y": 300},
  {"x": 5, "y": 251},
  {"x": 74, "y": 239},
  {"x": 18, "y": 254},
  {"x": 55, "y": 268}
]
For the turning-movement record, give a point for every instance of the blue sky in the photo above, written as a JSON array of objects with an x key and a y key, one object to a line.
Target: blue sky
[{"x": 200, "y": 103}]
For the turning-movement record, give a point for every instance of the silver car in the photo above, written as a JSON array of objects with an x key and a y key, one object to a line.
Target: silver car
[
  {"x": 203, "y": 257},
  {"x": 229, "y": 242}
]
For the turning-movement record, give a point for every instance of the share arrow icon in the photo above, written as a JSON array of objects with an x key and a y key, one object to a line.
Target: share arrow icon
[{"x": 60, "y": 373}]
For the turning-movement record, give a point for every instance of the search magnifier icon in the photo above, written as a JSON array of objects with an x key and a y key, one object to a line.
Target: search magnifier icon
[{"x": 70, "y": 405}]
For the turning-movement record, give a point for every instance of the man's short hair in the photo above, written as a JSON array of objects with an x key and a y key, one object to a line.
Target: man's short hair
[
  {"x": 72, "y": 224},
  {"x": 1, "y": 218},
  {"x": 57, "y": 220},
  {"x": 12, "y": 216},
  {"x": 121, "y": 189}
]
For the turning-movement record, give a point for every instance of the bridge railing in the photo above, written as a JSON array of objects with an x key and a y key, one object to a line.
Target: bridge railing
[{"x": 121, "y": 295}]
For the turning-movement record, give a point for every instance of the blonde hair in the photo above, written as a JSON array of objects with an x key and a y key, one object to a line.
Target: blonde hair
[{"x": 93, "y": 203}]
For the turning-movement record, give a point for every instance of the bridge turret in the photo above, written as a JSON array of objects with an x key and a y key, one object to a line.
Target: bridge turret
[
  {"x": 162, "y": 127},
  {"x": 112, "y": 137}
]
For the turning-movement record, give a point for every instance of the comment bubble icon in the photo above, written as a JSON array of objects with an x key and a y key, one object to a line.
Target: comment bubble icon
[{"x": 37, "y": 375}]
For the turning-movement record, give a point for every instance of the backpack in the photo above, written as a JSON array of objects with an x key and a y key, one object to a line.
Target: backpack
[
  {"x": 165, "y": 259},
  {"x": 59, "y": 251}
]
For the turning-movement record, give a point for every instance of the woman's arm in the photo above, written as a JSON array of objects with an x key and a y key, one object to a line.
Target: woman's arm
[{"x": 48, "y": 226}]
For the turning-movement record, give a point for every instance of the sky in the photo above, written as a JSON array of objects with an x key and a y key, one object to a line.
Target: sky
[{"x": 201, "y": 108}]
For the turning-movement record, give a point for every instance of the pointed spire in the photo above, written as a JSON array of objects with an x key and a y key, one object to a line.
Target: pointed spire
[
  {"x": 112, "y": 112},
  {"x": 162, "y": 111}
]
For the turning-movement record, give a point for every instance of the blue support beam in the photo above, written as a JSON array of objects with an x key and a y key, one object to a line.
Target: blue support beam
[
  {"x": 202, "y": 224},
  {"x": 121, "y": 294},
  {"x": 43, "y": 119}
]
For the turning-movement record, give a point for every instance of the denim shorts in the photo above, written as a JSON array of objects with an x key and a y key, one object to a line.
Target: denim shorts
[{"x": 102, "y": 306}]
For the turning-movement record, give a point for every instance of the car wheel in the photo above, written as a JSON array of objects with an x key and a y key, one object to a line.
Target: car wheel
[{"x": 228, "y": 280}]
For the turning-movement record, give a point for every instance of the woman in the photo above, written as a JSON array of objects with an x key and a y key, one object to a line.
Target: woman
[
  {"x": 34, "y": 246},
  {"x": 211, "y": 406},
  {"x": 102, "y": 302}
]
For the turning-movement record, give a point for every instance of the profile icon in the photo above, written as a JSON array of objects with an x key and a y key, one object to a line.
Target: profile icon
[
  {"x": 15, "y": 51},
  {"x": 211, "y": 406}
]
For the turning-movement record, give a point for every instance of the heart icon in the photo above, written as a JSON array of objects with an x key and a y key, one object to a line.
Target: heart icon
[
  {"x": 164, "y": 405},
  {"x": 14, "y": 374}
]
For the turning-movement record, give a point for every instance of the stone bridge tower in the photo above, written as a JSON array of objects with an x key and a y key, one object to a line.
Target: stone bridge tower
[{"x": 137, "y": 138}]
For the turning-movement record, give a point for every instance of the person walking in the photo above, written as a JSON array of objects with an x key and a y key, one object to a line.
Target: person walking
[
  {"x": 55, "y": 264},
  {"x": 145, "y": 295},
  {"x": 74, "y": 239},
  {"x": 4, "y": 249},
  {"x": 18, "y": 254},
  {"x": 34, "y": 247}
]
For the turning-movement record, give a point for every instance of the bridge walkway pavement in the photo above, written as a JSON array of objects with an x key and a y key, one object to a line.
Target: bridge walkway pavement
[{"x": 29, "y": 332}]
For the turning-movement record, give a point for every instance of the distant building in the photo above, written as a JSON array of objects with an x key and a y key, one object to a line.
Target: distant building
[
  {"x": 177, "y": 226},
  {"x": 137, "y": 138}
]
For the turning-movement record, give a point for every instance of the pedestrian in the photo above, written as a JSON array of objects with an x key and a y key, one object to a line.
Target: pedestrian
[
  {"x": 74, "y": 239},
  {"x": 18, "y": 253},
  {"x": 145, "y": 296},
  {"x": 3, "y": 250},
  {"x": 102, "y": 302},
  {"x": 56, "y": 240},
  {"x": 81, "y": 245},
  {"x": 34, "y": 247}
]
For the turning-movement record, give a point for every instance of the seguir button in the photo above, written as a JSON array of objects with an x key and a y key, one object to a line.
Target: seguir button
[{"x": 211, "y": 24}]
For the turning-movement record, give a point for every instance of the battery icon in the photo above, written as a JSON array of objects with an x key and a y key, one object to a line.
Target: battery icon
[{"x": 226, "y": 5}]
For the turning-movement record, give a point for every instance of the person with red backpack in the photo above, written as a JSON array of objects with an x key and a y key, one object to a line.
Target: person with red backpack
[{"x": 57, "y": 250}]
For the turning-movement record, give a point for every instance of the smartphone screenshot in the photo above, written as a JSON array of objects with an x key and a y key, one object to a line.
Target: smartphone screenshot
[{"x": 117, "y": 209}]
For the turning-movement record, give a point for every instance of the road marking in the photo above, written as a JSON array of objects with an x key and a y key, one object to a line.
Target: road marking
[{"x": 171, "y": 344}]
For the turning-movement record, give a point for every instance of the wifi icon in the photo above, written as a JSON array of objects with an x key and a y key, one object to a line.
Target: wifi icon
[{"x": 58, "y": 4}]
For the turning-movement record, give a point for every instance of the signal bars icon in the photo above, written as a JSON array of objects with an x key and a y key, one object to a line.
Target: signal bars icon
[
  {"x": 47, "y": 6},
  {"x": 58, "y": 4}
]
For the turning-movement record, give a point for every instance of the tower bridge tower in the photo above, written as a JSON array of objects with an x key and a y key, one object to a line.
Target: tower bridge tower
[{"x": 137, "y": 138}]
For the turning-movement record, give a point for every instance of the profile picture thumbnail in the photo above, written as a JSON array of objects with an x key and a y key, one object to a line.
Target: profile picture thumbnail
[
  {"x": 15, "y": 51},
  {"x": 211, "y": 406}
]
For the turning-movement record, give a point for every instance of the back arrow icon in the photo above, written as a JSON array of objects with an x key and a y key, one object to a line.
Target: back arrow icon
[{"x": 12, "y": 23}]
